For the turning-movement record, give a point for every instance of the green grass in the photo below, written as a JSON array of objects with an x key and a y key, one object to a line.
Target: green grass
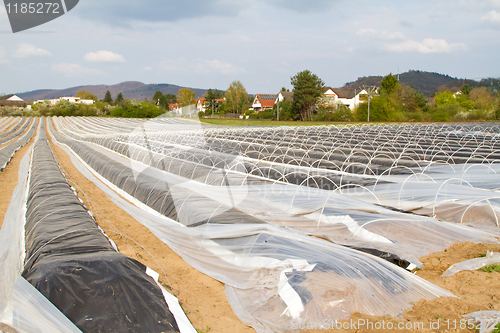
[
  {"x": 492, "y": 268},
  {"x": 250, "y": 122}
]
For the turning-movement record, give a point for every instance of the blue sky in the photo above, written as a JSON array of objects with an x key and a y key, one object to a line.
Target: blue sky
[{"x": 262, "y": 43}]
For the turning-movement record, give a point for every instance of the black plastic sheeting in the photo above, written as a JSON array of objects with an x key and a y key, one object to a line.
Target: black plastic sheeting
[
  {"x": 72, "y": 263},
  {"x": 7, "y": 152}
]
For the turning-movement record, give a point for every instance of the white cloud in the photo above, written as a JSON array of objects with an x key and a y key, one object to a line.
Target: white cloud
[
  {"x": 210, "y": 66},
  {"x": 380, "y": 34},
  {"x": 74, "y": 70},
  {"x": 493, "y": 17},
  {"x": 104, "y": 56},
  {"x": 428, "y": 45},
  {"x": 25, "y": 50},
  {"x": 147, "y": 68}
]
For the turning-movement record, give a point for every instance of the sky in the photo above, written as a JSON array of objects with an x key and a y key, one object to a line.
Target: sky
[{"x": 262, "y": 43}]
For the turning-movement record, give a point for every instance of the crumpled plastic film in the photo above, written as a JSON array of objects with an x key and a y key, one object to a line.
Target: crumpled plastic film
[
  {"x": 487, "y": 320},
  {"x": 491, "y": 258},
  {"x": 449, "y": 199}
]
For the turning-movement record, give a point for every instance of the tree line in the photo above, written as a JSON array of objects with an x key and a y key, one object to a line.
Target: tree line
[{"x": 391, "y": 101}]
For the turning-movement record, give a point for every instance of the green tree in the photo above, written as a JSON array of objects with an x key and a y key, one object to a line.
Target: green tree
[
  {"x": 170, "y": 99},
  {"x": 483, "y": 99},
  {"x": 236, "y": 98},
  {"x": 185, "y": 97},
  {"x": 211, "y": 97},
  {"x": 107, "y": 98},
  {"x": 307, "y": 88},
  {"x": 389, "y": 84},
  {"x": 466, "y": 89},
  {"x": 119, "y": 98},
  {"x": 445, "y": 98},
  {"x": 157, "y": 96},
  {"x": 84, "y": 94},
  {"x": 133, "y": 109}
]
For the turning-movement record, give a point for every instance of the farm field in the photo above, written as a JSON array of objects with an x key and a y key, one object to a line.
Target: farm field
[{"x": 267, "y": 229}]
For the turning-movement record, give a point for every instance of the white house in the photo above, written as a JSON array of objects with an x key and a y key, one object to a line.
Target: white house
[
  {"x": 76, "y": 100},
  {"x": 200, "y": 104},
  {"x": 15, "y": 98},
  {"x": 349, "y": 98}
]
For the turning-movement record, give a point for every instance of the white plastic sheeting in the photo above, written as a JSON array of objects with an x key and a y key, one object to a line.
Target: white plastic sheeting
[
  {"x": 491, "y": 258},
  {"x": 487, "y": 321}
]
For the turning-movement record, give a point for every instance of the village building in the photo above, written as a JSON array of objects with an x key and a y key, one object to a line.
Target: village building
[
  {"x": 15, "y": 98},
  {"x": 336, "y": 97},
  {"x": 76, "y": 100},
  {"x": 201, "y": 104},
  {"x": 284, "y": 95},
  {"x": 263, "y": 102}
]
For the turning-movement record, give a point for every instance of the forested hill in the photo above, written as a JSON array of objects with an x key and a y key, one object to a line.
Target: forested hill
[
  {"x": 426, "y": 83},
  {"x": 131, "y": 89}
]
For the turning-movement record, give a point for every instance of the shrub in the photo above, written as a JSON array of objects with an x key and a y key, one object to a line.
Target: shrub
[{"x": 268, "y": 114}]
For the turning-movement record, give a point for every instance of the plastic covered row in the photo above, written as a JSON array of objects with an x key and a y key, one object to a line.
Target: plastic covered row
[
  {"x": 16, "y": 130},
  {"x": 72, "y": 263},
  {"x": 7, "y": 152}
]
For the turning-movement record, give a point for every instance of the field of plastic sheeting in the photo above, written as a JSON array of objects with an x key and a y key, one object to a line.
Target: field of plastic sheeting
[
  {"x": 15, "y": 138},
  {"x": 82, "y": 283},
  {"x": 251, "y": 197}
]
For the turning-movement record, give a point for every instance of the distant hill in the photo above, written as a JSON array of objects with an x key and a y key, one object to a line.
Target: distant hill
[
  {"x": 130, "y": 89},
  {"x": 426, "y": 83}
]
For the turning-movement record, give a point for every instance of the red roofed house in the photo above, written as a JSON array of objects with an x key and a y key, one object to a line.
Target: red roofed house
[
  {"x": 263, "y": 102},
  {"x": 174, "y": 107},
  {"x": 200, "y": 104}
]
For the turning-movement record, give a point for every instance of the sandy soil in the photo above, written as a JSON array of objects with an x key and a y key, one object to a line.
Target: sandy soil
[{"x": 204, "y": 300}]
